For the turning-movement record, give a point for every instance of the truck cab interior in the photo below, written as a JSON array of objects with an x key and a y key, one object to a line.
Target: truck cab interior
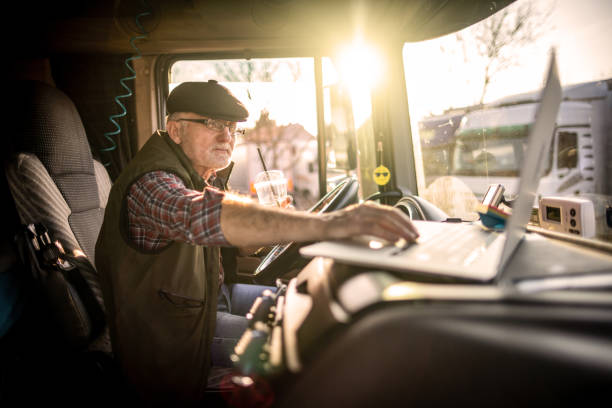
[{"x": 417, "y": 104}]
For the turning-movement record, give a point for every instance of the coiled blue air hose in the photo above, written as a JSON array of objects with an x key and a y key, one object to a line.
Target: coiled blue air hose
[{"x": 108, "y": 135}]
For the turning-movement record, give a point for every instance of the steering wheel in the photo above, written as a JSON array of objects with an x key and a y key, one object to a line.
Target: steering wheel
[
  {"x": 417, "y": 208},
  {"x": 285, "y": 257}
]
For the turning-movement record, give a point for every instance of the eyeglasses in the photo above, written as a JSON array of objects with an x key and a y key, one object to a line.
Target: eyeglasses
[{"x": 216, "y": 125}]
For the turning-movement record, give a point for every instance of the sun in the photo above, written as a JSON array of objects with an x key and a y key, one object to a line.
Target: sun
[
  {"x": 359, "y": 68},
  {"x": 359, "y": 65}
]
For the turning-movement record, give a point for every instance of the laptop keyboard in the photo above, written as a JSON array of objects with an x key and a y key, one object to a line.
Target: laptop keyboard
[{"x": 454, "y": 245}]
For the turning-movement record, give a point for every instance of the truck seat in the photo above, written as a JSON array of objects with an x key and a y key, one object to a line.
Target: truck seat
[{"x": 54, "y": 180}]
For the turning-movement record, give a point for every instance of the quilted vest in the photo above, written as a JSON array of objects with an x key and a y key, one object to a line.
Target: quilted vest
[{"x": 161, "y": 305}]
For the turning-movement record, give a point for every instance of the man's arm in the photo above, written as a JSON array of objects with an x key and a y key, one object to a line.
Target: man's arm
[{"x": 247, "y": 224}]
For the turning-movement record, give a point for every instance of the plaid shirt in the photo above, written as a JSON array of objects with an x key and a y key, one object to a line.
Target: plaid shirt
[{"x": 161, "y": 209}]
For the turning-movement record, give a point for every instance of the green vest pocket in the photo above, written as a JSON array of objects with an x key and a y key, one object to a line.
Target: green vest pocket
[{"x": 180, "y": 301}]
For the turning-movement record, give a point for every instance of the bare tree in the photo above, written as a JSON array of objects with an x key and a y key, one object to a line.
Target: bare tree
[
  {"x": 246, "y": 71},
  {"x": 275, "y": 141},
  {"x": 496, "y": 37},
  {"x": 255, "y": 71},
  {"x": 278, "y": 141}
]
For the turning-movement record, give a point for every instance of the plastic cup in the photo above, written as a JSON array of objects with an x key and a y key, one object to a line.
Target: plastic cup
[{"x": 271, "y": 187}]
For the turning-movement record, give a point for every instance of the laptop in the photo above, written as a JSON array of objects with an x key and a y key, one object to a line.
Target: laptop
[{"x": 465, "y": 251}]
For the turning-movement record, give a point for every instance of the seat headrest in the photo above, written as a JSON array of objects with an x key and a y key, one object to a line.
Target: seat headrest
[{"x": 48, "y": 124}]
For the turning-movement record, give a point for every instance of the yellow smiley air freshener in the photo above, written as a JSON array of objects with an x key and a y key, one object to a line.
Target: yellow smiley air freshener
[{"x": 381, "y": 175}]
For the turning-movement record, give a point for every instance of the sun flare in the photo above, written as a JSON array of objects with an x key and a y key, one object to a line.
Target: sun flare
[
  {"x": 360, "y": 69},
  {"x": 359, "y": 65}
]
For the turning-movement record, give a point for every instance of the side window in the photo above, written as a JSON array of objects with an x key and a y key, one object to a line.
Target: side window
[
  {"x": 567, "y": 156},
  {"x": 279, "y": 94}
]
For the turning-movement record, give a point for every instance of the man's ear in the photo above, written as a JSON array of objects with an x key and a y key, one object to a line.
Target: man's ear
[{"x": 173, "y": 129}]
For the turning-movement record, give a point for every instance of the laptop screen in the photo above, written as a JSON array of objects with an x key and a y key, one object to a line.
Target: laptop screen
[{"x": 538, "y": 144}]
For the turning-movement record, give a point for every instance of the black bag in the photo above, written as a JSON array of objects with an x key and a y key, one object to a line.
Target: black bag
[{"x": 61, "y": 277}]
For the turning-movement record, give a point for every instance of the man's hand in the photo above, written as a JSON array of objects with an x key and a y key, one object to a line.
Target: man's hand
[
  {"x": 369, "y": 218},
  {"x": 287, "y": 203}
]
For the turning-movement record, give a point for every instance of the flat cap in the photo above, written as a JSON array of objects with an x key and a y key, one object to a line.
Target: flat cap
[{"x": 208, "y": 99}]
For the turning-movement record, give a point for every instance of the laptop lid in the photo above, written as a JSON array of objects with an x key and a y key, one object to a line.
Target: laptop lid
[{"x": 538, "y": 144}]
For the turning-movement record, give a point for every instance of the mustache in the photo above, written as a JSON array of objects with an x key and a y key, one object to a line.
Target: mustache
[{"x": 223, "y": 147}]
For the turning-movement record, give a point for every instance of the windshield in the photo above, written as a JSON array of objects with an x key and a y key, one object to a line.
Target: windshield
[{"x": 473, "y": 96}]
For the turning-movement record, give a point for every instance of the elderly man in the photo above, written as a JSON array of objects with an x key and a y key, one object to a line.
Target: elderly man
[{"x": 158, "y": 249}]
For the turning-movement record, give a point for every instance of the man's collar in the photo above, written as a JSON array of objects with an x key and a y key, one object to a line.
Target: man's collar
[
  {"x": 195, "y": 176},
  {"x": 211, "y": 179},
  {"x": 220, "y": 178}
]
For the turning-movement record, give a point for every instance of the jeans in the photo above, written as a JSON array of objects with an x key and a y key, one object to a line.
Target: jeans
[{"x": 233, "y": 304}]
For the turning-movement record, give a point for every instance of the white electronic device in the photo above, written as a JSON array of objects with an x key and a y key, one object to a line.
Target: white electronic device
[{"x": 570, "y": 215}]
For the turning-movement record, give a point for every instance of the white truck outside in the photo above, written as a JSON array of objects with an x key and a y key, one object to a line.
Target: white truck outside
[{"x": 490, "y": 143}]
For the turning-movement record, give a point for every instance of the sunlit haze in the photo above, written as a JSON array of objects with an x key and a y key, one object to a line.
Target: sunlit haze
[
  {"x": 360, "y": 67},
  {"x": 442, "y": 74}
]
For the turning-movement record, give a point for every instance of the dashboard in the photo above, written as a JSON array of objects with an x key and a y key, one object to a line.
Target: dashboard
[{"x": 340, "y": 335}]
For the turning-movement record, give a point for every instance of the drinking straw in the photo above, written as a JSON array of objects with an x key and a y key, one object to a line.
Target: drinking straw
[{"x": 263, "y": 163}]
